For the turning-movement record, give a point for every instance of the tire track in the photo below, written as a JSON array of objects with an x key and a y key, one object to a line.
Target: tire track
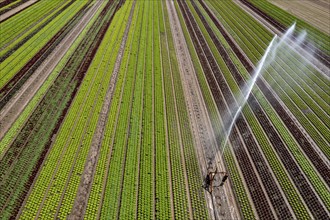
[
  {"x": 285, "y": 155},
  {"x": 279, "y": 107},
  {"x": 261, "y": 165},
  {"x": 17, "y": 104},
  {"x": 201, "y": 126},
  {"x": 80, "y": 203},
  {"x": 81, "y": 72}
]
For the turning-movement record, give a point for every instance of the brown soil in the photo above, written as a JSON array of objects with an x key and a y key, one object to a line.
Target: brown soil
[
  {"x": 309, "y": 10},
  {"x": 80, "y": 203},
  {"x": 242, "y": 157},
  {"x": 16, "y": 10},
  {"x": 200, "y": 122},
  {"x": 16, "y": 105},
  {"x": 306, "y": 45}
]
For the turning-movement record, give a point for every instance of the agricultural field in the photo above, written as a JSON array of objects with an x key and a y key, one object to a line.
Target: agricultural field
[{"x": 164, "y": 109}]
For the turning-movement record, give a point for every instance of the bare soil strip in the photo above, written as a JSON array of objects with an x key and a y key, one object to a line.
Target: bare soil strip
[
  {"x": 283, "y": 112},
  {"x": 308, "y": 10},
  {"x": 283, "y": 152},
  {"x": 87, "y": 176},
  {"x": 296, "y": 130},
  {"x": 13, "y": 109},
  {"x": 274, "y": 138},
  {"x": 321, "y": 58},
  {"x": 314, "y": 62},
  {"x": 222, "y": 95},
  {"x": 200, "y": 121},
  {"x": 12, "y": 12}
]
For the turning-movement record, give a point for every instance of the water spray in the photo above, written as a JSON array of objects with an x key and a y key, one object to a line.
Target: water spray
[
  {"x": 261, "y": 65},
  {"x": 284, "y": 46}
]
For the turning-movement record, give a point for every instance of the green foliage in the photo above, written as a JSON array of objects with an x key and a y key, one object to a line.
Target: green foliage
[{"x": 287, "y": 19}]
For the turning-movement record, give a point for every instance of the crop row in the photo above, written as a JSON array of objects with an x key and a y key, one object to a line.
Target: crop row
[
  {"x": 237, "y": 184},
  {"x": 119, "y": 129},
  {"x": 21, "y": 56},
  {"x": 10, "y": 47},
  {"x": 146, "y": 172},
  {"x": 258, "y": 40},
  {"x": 15, "y": 128},
  {"x": 250, "y": 177},
  {"x": 324, "y": 171},
  {"x": 9, "y": 90},
  {"x": 179, "y": 191},
  {"x": 61, "y": 144},
  {"x": 245, "y": 35},
  {"x": 299, "y": 115},
  {"x": 7, "y": 6},
  {"x": 244, "y": 203},
  {"x": 324, "y": 58},
  {"x": 98, "y": 191},
  {"x": 163, "y": 194},
  {"x": 286, "y": 118},
  {"x": 33, "y": 141},
  {"x": 129, "y": 172},
  {"x": 191, "y": 163},
  {"x": 23, "y": 23},
  {"x": 264, "y": 122},
  {"x": 286, "y": 19},
  {"x": 7, "y": 3},
  {"x": 129, "y": 201},
  {"x": 74, "y": 174},
  {"x": 247, "y": 136}
]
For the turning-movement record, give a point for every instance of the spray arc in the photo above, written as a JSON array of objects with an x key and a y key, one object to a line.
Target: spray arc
[
  {"x": 262, "y": 64},
  {"x": 279, "y": 48}
]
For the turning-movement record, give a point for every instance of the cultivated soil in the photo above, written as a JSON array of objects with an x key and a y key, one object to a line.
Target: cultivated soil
[
  {"x": 17, "y": 9},
  {"x": 314, "y": 12},
  {"x": 16, "y": 105},
  {"x": 319, "y": 60},
  {"x": 220, "y": 203},
  {"x": 80, "y": 203}
]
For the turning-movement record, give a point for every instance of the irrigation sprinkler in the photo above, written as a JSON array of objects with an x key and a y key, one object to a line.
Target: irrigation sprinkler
[
  {"x": 211, "y": 176},
  {"x": 214, "y": 177}
]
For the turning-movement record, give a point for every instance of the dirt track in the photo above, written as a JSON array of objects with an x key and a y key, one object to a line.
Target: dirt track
[
  {"x": 16, "y": 105},
  {"x": 200, "y": 122},
  {"x": 295, "y": 131},
  {"x": 272, "y": 134},
  {"x": 16, "y": 10},
  {"x": 80, "y": 203}
]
